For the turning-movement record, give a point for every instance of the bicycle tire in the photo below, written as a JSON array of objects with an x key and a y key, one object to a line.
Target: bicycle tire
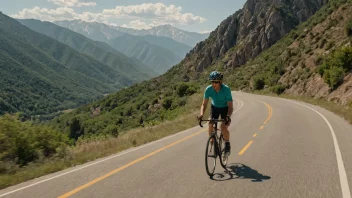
[
  {"x": 207, "y": 168},
  {"x": 223, "y": 161}
]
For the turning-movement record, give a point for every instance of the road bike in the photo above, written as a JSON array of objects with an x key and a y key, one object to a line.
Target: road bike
[{"x": 217, "y": 142}]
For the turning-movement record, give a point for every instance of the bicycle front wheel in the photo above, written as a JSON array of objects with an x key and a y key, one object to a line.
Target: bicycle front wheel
[{"x": 210, "y": 156}]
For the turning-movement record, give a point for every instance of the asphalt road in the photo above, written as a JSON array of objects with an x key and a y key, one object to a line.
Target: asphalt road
[{"x": 280, "y": 148}]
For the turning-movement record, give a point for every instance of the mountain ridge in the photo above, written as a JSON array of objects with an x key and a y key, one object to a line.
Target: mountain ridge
[
  {"x": 162, "y": 97},
  {"x": 98, "y": 50},
  {"x": 50, "y": 75},
  {"x": 86, "y": 28}
]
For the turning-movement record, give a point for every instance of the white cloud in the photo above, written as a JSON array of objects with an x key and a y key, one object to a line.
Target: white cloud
[
  {"x": 62, "y": 13},
  {"x": 72, "y": 3},
  {"x": 157, "y": 13},
  {"x": 137, "y": 24}
]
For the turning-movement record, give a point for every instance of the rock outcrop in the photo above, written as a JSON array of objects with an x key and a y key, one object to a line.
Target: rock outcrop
[{"x": 254, "y": 28}]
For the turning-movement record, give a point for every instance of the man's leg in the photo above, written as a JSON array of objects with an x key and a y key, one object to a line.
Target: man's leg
[
  {"x": 226, "y": 133},
  {"x": 210, "y": 128}
]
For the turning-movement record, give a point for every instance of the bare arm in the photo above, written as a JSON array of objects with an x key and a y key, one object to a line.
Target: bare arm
[
  {"x": 204, "y": 106},
  {"x": 230, "y": 105}
]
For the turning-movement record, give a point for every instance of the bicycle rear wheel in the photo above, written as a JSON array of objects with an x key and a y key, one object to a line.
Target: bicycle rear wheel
[
  {"x": 210, "y": 156},
  {"x": 223, "y": 158}
]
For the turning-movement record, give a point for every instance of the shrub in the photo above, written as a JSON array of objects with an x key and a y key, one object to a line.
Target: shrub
[
  {"x": 334, "y": 77},
  {"x": 258, "y": 82},
  {"x": 167, "y": 103},
  {"x": 278, "y": 89},
  {"x": 348, "y": 28}
]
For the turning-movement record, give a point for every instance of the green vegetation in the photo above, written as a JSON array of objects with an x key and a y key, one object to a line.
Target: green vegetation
[
  {"x": 23, "y": 142},
  {"x": 336, "y": 65},
  {"x": 348, "y": 28},
  {"x": 153, "y": 109},
  {"x": 85, "y": 149},
  {"x": 141, "y": 105},
  {"x": 268, "y": 67},
  {"x": 132, "y": 70},
  {"x": 41, "y": 76}
]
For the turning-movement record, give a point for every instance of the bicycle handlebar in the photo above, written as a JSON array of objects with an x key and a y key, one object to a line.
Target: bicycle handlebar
[{"x": 211, "y": 120}]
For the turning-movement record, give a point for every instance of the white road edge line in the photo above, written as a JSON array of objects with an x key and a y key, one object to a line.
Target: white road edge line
[
  {"x": 114, "y": 156},
  {"x": 342, "y": 171}
]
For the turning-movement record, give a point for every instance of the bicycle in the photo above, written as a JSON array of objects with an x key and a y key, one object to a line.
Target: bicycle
[{"x": 219, "y": 147}]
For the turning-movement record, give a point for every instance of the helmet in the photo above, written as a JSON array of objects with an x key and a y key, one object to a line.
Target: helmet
[{"x": 215, "y": 75}]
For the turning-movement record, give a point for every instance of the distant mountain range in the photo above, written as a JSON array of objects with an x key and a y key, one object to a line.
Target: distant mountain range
[
  {"x": 48, "y": 67},
  {"x": 158, "y": 47},
  {"x": 103, "y": 32},
  {"x": 185, "y": 37},
  {"x": 41, "y": 75}
]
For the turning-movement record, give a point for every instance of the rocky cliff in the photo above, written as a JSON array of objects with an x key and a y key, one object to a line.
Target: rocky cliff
[{"x": 249, "y": 31}]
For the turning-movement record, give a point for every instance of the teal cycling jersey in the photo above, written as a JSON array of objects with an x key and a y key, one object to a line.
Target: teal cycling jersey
[{"x": 219, "y": 99}]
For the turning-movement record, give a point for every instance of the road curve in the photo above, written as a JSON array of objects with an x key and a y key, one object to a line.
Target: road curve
[{"x": 280, "y": 148}]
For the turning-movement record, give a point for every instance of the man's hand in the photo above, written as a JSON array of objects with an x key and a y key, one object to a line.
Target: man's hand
[{"x": 199, "y": 117}]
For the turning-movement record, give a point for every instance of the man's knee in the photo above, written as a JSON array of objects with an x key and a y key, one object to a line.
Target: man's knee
[{"x": 224, "y": 127}]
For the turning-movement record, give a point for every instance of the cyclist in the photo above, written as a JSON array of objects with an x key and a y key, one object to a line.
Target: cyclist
[{"x": 222, "y": 104}]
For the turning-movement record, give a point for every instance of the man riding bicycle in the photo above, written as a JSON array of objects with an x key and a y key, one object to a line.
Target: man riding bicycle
[{"x": 222, "y": 104}]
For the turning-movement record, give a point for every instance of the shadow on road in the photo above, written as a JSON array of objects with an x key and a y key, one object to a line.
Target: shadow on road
[{"x": 240, "y": 171}]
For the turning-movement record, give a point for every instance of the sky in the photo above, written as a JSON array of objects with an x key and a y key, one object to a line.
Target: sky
[{"x": 190, "y": 15}]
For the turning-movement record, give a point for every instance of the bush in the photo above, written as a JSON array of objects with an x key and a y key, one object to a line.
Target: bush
[
  {"x": 278, "y": 89},
  {"x": 348, "y": 28},
  {"x": 258, "y": 82},
  {"x": 334, "y": 77},
  {"x": 335, "y": 66},
  {"x": 167, "y": 103},
  {"x": 23, "y": 142},
  {"x": 186, "y": 90}
]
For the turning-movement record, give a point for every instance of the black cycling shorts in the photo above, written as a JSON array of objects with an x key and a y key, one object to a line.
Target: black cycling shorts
[{"x": 215, "y": 112}]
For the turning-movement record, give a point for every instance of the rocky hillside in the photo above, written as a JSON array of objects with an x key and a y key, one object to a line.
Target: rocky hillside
[
  {"x": 276, "y": 69},
  {"x": 249, "y": 31},
  {"x": 315, "y": 59},
  {"x": 320, "y": 43}
]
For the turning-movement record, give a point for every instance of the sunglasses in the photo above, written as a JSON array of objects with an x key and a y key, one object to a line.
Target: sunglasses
[{"x": 216, "y": 82}]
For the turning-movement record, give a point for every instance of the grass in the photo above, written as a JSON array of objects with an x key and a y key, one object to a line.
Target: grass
[{"x": 91, "y": 149}]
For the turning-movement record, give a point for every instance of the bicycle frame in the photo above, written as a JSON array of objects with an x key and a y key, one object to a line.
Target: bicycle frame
[{"x": 217, "y": 143}]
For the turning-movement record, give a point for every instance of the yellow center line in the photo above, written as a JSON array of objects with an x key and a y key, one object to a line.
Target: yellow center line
[
  {"x": 245, "y": 148},
  {"x": 270, "y": 113},
  {"x": 267, "y": 119},
  {"x": 127, "y": 165}
]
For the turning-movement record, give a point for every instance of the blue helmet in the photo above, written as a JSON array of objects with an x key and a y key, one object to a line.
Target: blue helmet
[{"x": 215, "y": 75}]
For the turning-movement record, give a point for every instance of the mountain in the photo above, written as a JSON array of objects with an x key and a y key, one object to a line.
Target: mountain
[
  {"x": 173, "y": 46},
  {"x": 159, "y": 53},
  {"x": 158, "y": 58},
  {"x": 40, "y": 75},
  {"x": 185, "y": 37},
  {"x": 249, "y": 31},
  {"x": 282, "y": 64},
  {"x": 102, "y": 32},
  {"x": 93, "y": 30},
  {"x": 132, "y": 69}
]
